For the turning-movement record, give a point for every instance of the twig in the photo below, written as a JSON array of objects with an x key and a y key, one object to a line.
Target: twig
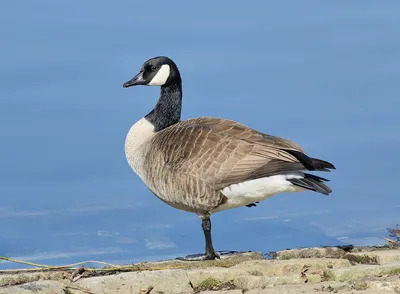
[
  {"x": 90, "y": 261},
  {"x": 49, "y": 266},
  {"x": 132, "y": 268},
  {"x": 25, "y": 262},
  {"x": 72, "y": 267},
  {"x": 78, "y": 274},
  {"x": 146, "y": 291},
  {"x": 79, "y": 289},
  {"x": 390, "y": 240},
  {"x": 29, "y": 270}
]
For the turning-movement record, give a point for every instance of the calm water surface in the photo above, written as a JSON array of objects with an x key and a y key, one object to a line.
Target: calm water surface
[{"x": 325, "y": 75}]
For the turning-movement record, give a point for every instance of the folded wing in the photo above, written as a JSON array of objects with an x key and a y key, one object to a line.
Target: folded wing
[{"x": 223, "y": 152}]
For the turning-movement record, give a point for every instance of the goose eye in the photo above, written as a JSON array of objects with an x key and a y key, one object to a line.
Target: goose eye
[{"x": 153, "y": 68}]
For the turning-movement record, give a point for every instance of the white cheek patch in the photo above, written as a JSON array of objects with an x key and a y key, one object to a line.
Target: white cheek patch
[{"x": 161, "y": 76}]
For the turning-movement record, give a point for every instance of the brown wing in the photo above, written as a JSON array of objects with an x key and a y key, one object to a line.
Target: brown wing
[{"x": 223, "y": 152}]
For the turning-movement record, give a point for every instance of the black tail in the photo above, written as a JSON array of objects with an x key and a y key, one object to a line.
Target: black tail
[
  {"x": 313, "y": 183},
  {"x": 322, "y": 165},
  {"x": 311, "y": 163}
]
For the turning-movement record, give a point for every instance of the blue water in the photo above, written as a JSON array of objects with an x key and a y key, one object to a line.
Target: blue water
[{"x": 325, "y": 75}]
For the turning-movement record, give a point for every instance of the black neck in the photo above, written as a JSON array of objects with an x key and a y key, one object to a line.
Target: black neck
[{"x": 168, "y": 108}]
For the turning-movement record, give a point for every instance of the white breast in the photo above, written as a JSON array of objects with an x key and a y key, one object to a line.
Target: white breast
[
  {"x": 135, "y": 142},
  {"x": 257, "y": 190}
]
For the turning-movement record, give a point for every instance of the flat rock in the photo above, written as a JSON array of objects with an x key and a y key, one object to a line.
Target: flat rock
[
  {"x": 382, "y": 257},
  {"x": 37, "y": 287},
  {"x": 168, "y": 281},
  {"x": 264, "y": 273},
  {"x": 313, "y": 252},
  {"x": 310, "y": 270},
  {"x": 22, "y": 278},
  {"x": 364, "y": 271},
  {"x": 222, "y": 292}
]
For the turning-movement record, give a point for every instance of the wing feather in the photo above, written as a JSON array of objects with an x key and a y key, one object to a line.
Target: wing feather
[{"x": 223, "y": 152}]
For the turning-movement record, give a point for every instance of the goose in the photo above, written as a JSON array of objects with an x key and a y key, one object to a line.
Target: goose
[{"x": 205, "y": 165}]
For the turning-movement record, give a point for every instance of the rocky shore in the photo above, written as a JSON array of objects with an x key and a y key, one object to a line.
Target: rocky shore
[{"x": 309, "y": 270}]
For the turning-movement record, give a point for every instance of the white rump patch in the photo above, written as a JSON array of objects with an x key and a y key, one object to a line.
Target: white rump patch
[
  {"x": 161, "y": 76},
  {"x": 251, "y": 191}
]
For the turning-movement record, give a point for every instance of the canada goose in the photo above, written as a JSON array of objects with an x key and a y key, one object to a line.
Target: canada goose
[{"x": 206, "y": 164}]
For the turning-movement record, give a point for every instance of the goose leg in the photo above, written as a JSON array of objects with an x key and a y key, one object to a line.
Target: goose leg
[{"x": 210, "y": 252}]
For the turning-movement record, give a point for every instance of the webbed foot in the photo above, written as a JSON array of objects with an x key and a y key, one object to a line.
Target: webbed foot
[{"x": 200, "y": 257}]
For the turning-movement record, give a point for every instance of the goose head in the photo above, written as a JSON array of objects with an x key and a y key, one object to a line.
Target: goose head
[{"x": 157, "y": 71}]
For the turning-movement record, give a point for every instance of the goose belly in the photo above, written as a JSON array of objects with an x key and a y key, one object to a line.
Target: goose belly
[
  {"x": 247, "y": 192},
  {"x": 182, "y": 191}
]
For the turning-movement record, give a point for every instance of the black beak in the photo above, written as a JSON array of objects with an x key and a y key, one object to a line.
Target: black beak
[{"x": 135, "y": 81}]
